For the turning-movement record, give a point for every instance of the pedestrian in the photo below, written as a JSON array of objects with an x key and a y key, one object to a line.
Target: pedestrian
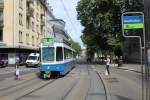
[
  {"x": 17, "y": 72},
  {"x": 107, "y": 72}
]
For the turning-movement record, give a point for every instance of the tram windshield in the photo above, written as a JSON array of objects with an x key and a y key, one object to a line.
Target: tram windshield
[{"x": 47, "y": 54}]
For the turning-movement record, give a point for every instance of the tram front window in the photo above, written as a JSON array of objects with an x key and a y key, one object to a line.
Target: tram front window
[{"x": 47, "y": 54}]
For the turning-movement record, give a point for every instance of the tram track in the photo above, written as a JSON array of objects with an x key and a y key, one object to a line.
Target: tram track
[
  {"x": 105, "y": 90},
  {"x": 90, "y": 69},
  {"x": 18, "y": 92},
  {"x": 15, "y": 85},
  {"x": 70, "y": 89},
  {"x": 44, "y": 85},
  {"x": 72, "y": 86}
]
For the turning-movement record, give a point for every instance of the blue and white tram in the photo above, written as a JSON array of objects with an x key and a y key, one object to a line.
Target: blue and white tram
[{"x": 58, "y": 59}]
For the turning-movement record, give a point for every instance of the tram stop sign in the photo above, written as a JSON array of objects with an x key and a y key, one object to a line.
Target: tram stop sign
[
  {"x": 48, "y": 40},
  {"x": 133, "y": 22}
]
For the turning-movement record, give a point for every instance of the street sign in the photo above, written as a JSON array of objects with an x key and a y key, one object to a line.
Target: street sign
[
  {"x": 48, "y": 40},
  {"x": 133, "y": 22}
]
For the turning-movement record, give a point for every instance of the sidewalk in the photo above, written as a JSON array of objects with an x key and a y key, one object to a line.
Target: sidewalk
[
  {"x": 131, "y": 67},
  {"x": 119, "y": 86}
]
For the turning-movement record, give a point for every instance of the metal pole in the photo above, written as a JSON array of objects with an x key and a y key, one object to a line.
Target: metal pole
[{"x": 141, "y": 51}]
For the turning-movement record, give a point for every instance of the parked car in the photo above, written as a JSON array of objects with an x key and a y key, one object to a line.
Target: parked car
[
  {"x": 3, "y": 63},
  {"x": 33, "y": 60}
]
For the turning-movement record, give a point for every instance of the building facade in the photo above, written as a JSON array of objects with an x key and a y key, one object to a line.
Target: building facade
[
  {"x": 22, "y": 26},
  {"x": 50, "y": 17}
]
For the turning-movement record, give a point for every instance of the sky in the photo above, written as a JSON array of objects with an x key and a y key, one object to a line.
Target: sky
[{"x": 73, "y": 25}]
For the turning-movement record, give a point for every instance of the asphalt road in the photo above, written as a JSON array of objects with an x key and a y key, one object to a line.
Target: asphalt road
[
  {"x": 4, "y": 74},
  {"x": 84, "y": 82}
]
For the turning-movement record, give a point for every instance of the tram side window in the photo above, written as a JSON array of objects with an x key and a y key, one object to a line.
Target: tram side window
[
  {"x": 74, "y": 55},
  {"x": 67, "y": 53},
  {"x": 59, "y": 54}
]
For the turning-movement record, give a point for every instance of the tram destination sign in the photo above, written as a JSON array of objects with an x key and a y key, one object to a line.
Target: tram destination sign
[
  {"x": 48, "y": 40},
  {"x": 133, "y": 22}
]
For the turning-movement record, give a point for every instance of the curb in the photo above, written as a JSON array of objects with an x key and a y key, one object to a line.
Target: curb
[{"x": 127, "y": 69}]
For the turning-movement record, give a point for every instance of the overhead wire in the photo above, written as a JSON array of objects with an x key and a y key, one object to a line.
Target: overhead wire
[{"x": 66, "y": 11}]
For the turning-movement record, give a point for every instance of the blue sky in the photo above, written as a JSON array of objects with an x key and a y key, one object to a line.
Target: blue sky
[{"x": 73, "y": 30}]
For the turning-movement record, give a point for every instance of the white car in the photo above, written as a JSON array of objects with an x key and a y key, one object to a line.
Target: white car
[{"x": 33, "y": 60}]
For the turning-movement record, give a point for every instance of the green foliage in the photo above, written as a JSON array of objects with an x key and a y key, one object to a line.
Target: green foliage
[
  {"x": 76, "y": 46},
  {"x": 102, "y": 22}
]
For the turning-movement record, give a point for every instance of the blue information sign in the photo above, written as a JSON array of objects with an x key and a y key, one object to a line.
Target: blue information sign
[
  {"x": 133, "y": 22},
  {"x": 132, "y": 19}
]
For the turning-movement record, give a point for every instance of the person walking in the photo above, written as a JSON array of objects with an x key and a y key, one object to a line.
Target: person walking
[
  {"x": 107, "y": 72},
  {"x": 17, "y": 72}
]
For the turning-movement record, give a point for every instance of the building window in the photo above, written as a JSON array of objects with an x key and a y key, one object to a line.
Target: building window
[
  {"x": 44, "y": 31},
  {"x": 37, "y": 28},
  {"x": 27, "y": 39},
  {"x": 37, "y": 41},
  {"x": 33, "y": 26},
  {"x": 1, "y": 35},
  {"x": 32, "y": 40},
  {"x": 28, "y": 23},
  {"x": 20, "y": 19},
  {"x": 37, "y": 4},
  {"x": 21, "y": 4},
  {"x": 20, "y": 37},
  {"x": 37, "y": 16}
]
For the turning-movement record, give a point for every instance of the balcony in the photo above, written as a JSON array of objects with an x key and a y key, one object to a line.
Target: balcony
[
  {"x": 1, "y": 4},
  {"x": 30, "y": 12}
]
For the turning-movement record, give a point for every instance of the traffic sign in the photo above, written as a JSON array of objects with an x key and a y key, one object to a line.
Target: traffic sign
[{"x": 133, "y": 22}]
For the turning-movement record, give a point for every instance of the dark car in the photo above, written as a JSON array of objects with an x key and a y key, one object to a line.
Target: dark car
[{"x": 3, "y": 63}]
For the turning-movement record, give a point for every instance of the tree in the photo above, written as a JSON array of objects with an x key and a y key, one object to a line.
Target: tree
[
  {"x": 96, "y": 16},
  {"x": 102, "y": 22},
  {"x": 76, "y": 46}
]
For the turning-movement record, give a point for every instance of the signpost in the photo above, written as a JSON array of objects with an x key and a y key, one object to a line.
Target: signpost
[{"x": 133, "y": 21}]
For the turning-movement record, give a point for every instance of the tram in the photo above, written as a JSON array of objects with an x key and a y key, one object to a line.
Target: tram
[{"x": 56, "y": 59}]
